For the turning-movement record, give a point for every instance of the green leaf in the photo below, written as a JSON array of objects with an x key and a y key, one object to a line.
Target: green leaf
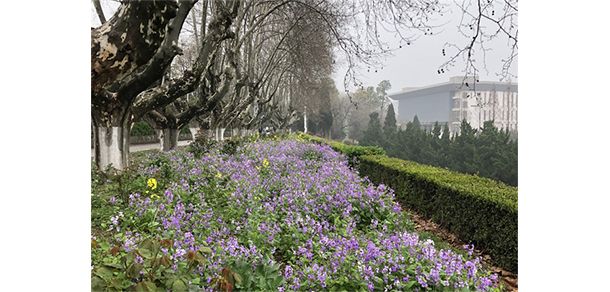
[
  {"x": 146, "y": 244},
  {"x": 116, "y": 283},
  {"x": 131, "y": 256},
  {"x": 262, "y": 283},
  {"x": 104, "y": 273},
  {"x": 97, "y": 284},
  {"x": 104, "y": 245},
  {"x": 409, "y": 284},
  {"x": 179, "y": 285},
  {"x": 205, "y": 250},
  {"x": 146, "y": 286},
  {"x": 238, "y": 278},
  {"x": 114, "y": 265},
  {"x": 146, "y": 253},
  {"x": 134, "y": 270}
]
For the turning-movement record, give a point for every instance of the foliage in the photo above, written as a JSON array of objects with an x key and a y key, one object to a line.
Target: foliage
[
  {"x": 201, "y": 144},
  {"x": 144, "y": 267},
  {"x": 487, "y": 152},
  {"x": 373, "y": 134},
  {"x": 275, "y": 215},
  {"x": 353, "y": 152},
  {"x": 390, "y": 119},
  {"x": 142, "y": 128},
  {"x": 477, "y": 209}
]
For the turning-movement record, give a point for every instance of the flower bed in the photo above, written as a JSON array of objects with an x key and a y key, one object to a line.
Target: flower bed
[{"x": 276, "y": 215}]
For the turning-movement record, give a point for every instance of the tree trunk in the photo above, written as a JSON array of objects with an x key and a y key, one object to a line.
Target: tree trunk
[
  {"x": 111, "y": 147},
  {"x": 194, "y": 131},
  {"x": 168, "y": 139}
]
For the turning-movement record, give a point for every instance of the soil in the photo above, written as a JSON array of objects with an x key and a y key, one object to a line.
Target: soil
[{"x": 505, "y": 278}]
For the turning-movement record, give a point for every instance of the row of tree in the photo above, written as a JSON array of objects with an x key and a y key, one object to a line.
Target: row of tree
[
  {"x": 242, "y": 63},
  {"x": 488, "y": 151},
  {"x": 238, "y": 63}
]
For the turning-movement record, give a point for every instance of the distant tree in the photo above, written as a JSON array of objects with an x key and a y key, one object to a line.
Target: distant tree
[
  {"x": 341, "y": 109},
  {"x": 383, "y": 87},
  {"x": 436, "y": 131},
  {"x": 390, "y": 120},
  {"x": 373, "y": 135},
  {"x": 446, "y": 136},
  {"x": 416, "y": 123},
  {"x": 463, "y": 149}
]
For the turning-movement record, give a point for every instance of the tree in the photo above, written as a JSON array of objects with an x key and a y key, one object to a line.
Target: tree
[
  {"x": 341, "y": 109},
  {"x": 390, "y": 120},
  {"x": 373, "y": 135},
  {"x": 247, "y": 51},
  {"x": 128, "y": 54},
  {"x": 416, "y": 124},
  {"x": 482, "y": 22}
]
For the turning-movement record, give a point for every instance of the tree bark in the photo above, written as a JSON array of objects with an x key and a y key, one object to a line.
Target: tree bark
[
  {"x": 121, "y": 48},
  {"x": 111, "y": 147},
  {"x": 168, "y": 138}
]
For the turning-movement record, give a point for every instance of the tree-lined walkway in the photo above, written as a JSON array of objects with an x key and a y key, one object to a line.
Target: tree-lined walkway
[{"x": 140, "y": 147}]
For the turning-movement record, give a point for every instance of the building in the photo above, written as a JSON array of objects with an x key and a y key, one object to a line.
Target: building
[{"x": 460, "y": 98}]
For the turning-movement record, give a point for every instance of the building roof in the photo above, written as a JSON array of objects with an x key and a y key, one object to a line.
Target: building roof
[{"x": 454, "y": 84}]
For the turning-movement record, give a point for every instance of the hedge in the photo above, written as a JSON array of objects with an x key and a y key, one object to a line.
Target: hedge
[
  {"x": 351, "y": 151},
  {"x": 479, "y": 210},
  {"x": 142, "y": 128}
]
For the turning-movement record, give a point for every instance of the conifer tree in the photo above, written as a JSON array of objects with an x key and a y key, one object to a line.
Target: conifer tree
[
  {"x": 390, "y": 120},
  {"x": 372, "y": 134}
]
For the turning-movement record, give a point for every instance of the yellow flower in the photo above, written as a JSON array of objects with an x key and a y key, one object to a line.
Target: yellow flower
[
  {"x": 218, "y": 175},
  {"x": 152, "y": 183},
  {"x": 265, "y": 163},
  {"x": 153, "y": 196}
]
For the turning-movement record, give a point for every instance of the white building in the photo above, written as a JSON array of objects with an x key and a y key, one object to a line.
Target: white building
[{"x": 450, "y": 102}]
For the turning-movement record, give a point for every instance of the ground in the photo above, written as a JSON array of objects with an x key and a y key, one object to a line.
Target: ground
[{"x": 507, "y": 279}]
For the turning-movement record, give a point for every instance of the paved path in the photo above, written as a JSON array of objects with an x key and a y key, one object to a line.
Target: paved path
[{"x": 140, "y": 147}]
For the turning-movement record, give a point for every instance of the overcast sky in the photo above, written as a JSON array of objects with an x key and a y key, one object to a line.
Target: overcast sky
[
  {"x": 416, "y": 65},
  {"x": 411, "y": 66}
]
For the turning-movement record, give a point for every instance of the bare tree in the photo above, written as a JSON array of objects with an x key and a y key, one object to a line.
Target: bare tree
[
  {"x": 482, "y": 22},
  {"x": 128, "y": 53},
  {"x": 247, "y": 53}
]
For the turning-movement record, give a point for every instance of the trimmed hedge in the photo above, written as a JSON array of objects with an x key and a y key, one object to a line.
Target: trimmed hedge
[
  {"x": 351, "y": 151},
  {"x": 477, "y": 209},
  {"x": 142, "y": 128}
]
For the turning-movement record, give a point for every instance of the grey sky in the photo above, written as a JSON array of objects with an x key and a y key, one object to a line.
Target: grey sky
[{"x": 416, "y": 65}]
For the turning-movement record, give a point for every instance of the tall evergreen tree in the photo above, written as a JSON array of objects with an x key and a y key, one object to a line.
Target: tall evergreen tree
[
  {"x": 372, "y": 134},
  {"x": 390, "y": 120},
  {"x": 436, "y": 131},
  {"x": 416, "y": 123}
]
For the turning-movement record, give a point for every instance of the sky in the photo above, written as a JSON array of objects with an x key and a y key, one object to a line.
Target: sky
[{"x": 416, "y": 65}]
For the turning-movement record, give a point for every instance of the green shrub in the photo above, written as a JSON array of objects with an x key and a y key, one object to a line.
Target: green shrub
[
  {"x": 142, "y": 129},
  {"x": 185, "y": 130},
  {"x": 351, "y": 151},
  {"x": 479, "y": 210},
  {"x": 201, "y": 144}
]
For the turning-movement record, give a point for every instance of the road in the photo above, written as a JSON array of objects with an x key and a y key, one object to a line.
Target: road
[{"x": 140, "y": 147}]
